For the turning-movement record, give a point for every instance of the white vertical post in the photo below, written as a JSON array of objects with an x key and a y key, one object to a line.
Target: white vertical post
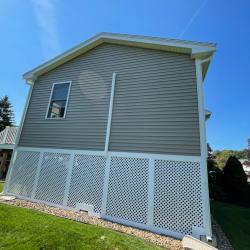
[
  {"x": 110, "y": 115},
  {"x": 203, "y": 148},
  {"x": 68, "y": 179},
  {"x": 38, "y": 170},
  {"x": 105, "y": 186},
  {"x": 151, "y": 174},
  {"x": 17, "y": 140}
]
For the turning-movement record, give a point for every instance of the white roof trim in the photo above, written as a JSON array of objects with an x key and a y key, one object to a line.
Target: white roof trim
[{"x": 195, "y": 49}]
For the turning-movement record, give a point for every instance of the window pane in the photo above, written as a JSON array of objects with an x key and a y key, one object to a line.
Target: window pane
[
  {"x": 60, "y": 91},
  {"x": 56, "y": 109}
]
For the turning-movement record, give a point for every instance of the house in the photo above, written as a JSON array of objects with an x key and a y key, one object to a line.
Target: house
[
  {"x": 246, "y": 167},
  {"x": 116, "y": 127},
  {"x": 7, "y": 142}
]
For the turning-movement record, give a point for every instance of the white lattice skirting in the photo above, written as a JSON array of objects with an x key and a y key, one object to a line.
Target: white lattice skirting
[{"x": 160, "y": 193}]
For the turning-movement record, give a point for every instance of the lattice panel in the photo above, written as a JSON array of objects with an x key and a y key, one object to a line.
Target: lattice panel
[
  {"x": 52, "y": 178},
  {"x": 87, "y": 181},
  {"x": 23, "y": 173},
  {"x": 127, "y": 191},
  {"x": 177, "y": 196}
]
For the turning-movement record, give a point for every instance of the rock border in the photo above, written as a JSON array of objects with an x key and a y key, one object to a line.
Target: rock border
[
  {"x": 160, "y": 240},
  {"x": 223, "y": 242}
]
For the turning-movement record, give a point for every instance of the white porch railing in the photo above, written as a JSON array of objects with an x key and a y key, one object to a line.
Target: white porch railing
[{"x": 8, "y": 135}]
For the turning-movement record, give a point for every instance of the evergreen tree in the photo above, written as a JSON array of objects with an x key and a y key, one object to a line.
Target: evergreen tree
[
  {"x": 6, "y": 113},
  {"x": 235, "y": 180}
]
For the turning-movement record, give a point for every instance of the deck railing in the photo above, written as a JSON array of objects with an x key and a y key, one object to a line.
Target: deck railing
[{"x": 8, "y": 135}]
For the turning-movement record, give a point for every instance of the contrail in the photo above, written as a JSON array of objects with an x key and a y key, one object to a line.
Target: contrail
[
  {"x": 193, "y": 18},
  {"x": 46, "y": 18}
]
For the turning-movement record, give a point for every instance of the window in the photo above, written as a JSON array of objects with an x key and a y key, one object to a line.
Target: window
[{"x": 58, "y": 100}]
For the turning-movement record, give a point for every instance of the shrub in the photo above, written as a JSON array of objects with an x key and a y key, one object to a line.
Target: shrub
[{"x": 234, "y": 181}]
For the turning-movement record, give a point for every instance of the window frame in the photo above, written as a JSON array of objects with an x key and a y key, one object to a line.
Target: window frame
[{"x": 66, "y": 105}]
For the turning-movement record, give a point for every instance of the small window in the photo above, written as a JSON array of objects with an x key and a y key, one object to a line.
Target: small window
[{"x": 58, "y": 100}]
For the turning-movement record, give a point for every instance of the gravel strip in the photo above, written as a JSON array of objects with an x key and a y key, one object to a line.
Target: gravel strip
[
  {"x": 222, "y": 241},
  {"x": 169, "y": 243}
]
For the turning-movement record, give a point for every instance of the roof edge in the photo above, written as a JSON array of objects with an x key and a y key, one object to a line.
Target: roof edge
[{"x": 195, "y": 49}]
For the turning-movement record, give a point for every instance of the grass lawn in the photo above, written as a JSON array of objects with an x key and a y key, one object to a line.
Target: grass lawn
[
  {"x": 22, "y": 228},
  {"x": 1, "y": 186},
  {"x": 235, "y": 222}
]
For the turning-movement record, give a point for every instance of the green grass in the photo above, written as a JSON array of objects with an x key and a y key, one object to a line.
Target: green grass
[
  {"x": 235, "y": 222},
  {"x": 22, "y": 228},
  {"x": 1, "y": 186}
]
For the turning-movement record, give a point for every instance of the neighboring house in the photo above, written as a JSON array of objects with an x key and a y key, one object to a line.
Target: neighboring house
[
  {"x": 7, "y": 142},
  {"x": 246, "y": 167},
  {"x": 116, "y": 127}
]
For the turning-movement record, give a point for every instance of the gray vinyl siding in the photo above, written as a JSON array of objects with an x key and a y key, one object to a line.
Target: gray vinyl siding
[{"x": 155, "y": 105}]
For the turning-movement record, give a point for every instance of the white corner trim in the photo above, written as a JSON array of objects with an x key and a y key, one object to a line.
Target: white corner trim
[
  {"x": 66, "y": 106},
  {"x": 110, "y": 114},
  {"x": 203, "y": 148}
]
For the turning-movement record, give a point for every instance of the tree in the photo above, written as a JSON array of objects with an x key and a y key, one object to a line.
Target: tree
[
  {"x": 214, "y": 177},
  {"x": 6, "y": 113},
  {"x": 235, "y": 181},
  {"x": 211, "y": 163},
  {"x": 221, "y": 157}
]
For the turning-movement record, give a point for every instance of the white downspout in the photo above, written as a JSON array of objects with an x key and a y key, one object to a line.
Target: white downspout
[{"x": 110, "y": 115}]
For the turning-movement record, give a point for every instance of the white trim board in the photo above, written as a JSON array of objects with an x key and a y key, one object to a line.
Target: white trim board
[
  {"x": 7, "y": 146},
  {"x": 203, "y": 149},
  {"x": 114, "y": 153},
  {"x": 144, "y": 226}
]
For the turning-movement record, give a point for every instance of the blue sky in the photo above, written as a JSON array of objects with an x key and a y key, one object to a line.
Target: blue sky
[{"x": 33, "y": 31}]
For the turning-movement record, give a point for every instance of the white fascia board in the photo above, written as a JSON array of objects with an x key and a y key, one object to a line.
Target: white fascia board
[
  {"x": 181, "y": 46},
  {"x": 195, "y": 49}
]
